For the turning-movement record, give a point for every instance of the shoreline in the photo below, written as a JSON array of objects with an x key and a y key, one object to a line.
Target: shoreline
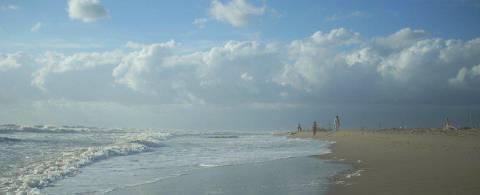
[
  {"x": 340, "y": 176},
  {"x": 269, "y": 177},
  {"x": 413, "y": 161}
]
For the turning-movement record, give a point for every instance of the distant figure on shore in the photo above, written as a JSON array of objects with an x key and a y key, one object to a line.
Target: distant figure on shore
[
  {"x": 447, "y": 125},
  {"x": 337, "y": 123},
  {"x": 299, "y": 128},
  {"x": 314, "y": 128}
]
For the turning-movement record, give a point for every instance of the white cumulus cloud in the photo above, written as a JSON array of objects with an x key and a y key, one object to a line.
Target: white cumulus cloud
[
  {"x": 200, "y": 22},
  {"x": 9, "y": 61},
  {"x": 57, "y": 63},
  {"x": 132, "y": 66},
  {"x": 36, "y": 27},
  {"x": 406, "y": 62},
  {"x": 246, "y": 77},
  {"x": 465, "y": 74},
  {"x": 8, "y": 7},
  {"x": 235, "y": 12},
  {"x": 312, "y": 57},
  {"x": 86, "y": 10}
]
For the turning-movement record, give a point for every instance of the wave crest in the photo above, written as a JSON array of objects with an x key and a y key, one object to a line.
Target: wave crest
[
  {"x": 14, "y": 128},
  {"x": 68, "y": 164},
  {"x": 9, "y": 140}
]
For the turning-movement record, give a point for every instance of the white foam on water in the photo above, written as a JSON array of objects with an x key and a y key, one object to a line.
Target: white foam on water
[
  {"x": 208, "y": 165},
  {"x": 354, "y": 174},
  {"x": 186, "y": 151},
  {"x": 44, "y": 173},
  {"x": 7, "y": 128}
]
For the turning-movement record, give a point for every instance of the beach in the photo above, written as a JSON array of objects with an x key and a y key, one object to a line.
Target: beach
[
  {"x": 407, "y": 161},
  {"x": 86, "y": 160}
]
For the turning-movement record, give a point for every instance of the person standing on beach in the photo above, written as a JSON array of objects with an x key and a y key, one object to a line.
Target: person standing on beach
[
  {"x": 299, "y": 128},
  {"x": 337, "y": 123},
  {"x": 314, "y": 128},
  {"x": 447, "y": 125}
]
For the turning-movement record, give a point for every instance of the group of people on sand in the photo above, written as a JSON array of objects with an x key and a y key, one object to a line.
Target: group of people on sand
[
  {"x": 446, "y": 125},
  {"x": 315, "y": 127}
]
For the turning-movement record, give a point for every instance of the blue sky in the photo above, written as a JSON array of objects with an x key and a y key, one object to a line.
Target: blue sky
[
  {"x": 241, "y": 64},
  {"x": 153, "y": 21}
]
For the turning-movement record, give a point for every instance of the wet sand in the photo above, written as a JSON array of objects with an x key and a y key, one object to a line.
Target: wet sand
[{"x": 422, "y": 161}]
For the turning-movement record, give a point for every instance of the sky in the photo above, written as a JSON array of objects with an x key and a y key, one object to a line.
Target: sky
[{"x": 239, "y": 64}]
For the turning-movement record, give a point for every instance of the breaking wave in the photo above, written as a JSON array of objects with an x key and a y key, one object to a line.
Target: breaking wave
[
  {"x": 14, "y": 128},
  {"x": 9, "y": 140},
  {"x": 224, "y": 136},
  {"x": 69, "y": 163}
]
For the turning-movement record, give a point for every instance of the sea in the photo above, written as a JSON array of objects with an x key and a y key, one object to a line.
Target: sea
[{"x": 46, "y": 159}]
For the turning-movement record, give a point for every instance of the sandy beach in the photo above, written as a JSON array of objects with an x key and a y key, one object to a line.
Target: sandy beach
[{"x": 421, "y": 161}]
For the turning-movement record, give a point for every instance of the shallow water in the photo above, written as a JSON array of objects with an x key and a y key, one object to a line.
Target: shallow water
[
  {"x": 75, "y": 160},
  {"x": 299, "y": 176}
]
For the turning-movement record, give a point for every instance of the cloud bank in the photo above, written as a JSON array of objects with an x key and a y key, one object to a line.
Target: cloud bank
[{"x": 334, "y": 67}]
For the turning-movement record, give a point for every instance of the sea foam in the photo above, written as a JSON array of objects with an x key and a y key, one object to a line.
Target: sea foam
[
  {"x": 11, "y": 128},
  {"x": 45, "y": 173}
]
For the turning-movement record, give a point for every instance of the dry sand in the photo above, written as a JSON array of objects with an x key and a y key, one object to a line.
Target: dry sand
[{"x": 405, "y": 161}]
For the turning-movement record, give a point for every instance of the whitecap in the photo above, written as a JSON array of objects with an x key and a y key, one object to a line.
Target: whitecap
[{"x": 69, "y": 163}]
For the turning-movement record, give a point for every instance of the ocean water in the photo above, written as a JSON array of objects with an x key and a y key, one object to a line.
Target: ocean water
[{"x": 89, "y": 160}]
